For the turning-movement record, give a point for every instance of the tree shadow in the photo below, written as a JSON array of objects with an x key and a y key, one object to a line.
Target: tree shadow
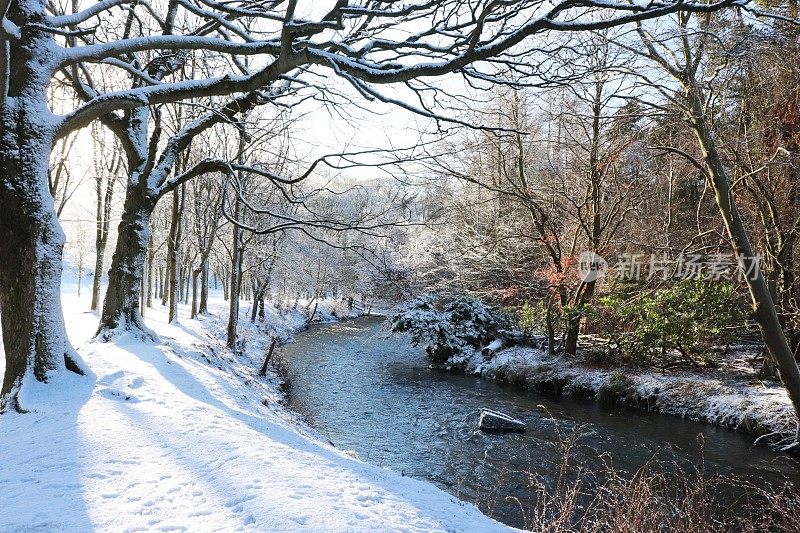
[
  {"x": 44, "y": 459},
  {"x": 278, "y": 456}
]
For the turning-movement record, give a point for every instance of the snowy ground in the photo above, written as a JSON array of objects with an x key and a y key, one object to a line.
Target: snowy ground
[
  {"x": 182, "y": 435},
  {"x": 729, "y": 396}
]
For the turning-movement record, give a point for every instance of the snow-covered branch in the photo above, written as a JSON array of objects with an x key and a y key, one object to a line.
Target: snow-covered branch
[{"x": 82, "y": 16}]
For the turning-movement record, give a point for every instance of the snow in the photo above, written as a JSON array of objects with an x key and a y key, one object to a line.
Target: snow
[
  {"x": 183, "y": 435},
  {"x": 730, "y": 396}
]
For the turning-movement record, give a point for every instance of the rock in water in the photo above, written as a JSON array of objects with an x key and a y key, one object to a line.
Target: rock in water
[{"x": 494, "y": 422}]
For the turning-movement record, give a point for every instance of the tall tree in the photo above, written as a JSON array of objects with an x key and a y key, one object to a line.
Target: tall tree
[
  {"x": 107, "y": 169},
  {"x": 358, "y": 42},
  {"x": 680, "y": 52}
]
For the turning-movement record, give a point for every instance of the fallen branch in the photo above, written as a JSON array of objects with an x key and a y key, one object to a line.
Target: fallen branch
[{"x": 269, "y": 356}]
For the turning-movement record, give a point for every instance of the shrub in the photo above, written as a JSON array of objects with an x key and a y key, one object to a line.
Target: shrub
[
  {"x": 532, "y": 317},
  {"x": 450, "y": 331},
  {"x": 689, "y": 317}
]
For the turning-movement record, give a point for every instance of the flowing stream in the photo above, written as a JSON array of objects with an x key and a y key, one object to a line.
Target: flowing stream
[{"x": 379, "y": 398}]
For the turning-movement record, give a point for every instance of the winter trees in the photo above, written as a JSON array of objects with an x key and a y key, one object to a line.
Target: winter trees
[
  {"x": 739, "y": 149},
  {"x": 558, "y": 182},
  {"x": 680, "y": 52},
  {"x": 364, "y": 44},
  {"x": 108, "y": 167}
]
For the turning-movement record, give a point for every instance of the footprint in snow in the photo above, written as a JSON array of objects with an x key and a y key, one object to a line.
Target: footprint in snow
[
  {"x": 111, "y": 378},
  {"x": 118, "y": 395}
]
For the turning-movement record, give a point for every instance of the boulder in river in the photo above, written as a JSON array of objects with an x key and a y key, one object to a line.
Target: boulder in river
[{"x": 494, "y": 422}]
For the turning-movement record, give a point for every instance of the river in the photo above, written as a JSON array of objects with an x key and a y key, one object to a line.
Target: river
[{"x": 379, "y": 398}]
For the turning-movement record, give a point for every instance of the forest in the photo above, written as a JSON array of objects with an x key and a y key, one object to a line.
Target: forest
[{"x": 264, "y": 263}]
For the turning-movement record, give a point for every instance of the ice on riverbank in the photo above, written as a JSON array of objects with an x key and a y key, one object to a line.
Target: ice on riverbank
[{"x": 183, "y": 435}]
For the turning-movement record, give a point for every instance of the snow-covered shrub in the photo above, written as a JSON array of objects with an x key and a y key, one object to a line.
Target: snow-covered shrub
[
  {"x": 477, "y": 323},
  {"x": 451, "y": 331}
]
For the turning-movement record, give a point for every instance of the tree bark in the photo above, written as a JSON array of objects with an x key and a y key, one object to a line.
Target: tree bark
[
  {"x": 195, "y": 278},
  {"x": 151, "y": 254},
  {"x": 80, "y": 273},
  {"x": 121, "y": 306},
  {"x": 31, "y": 239},
  {"x": 265, "y": 366},
  {"x": 236, "y": 278},
  {"x": 764, "y": 310},
  {"x": 160, "y": 292},
  {"x": 585, "y": 294},
  {"x": 203, "y": 309},
  {"x": 174, "y": 253},
  {"x": 103, "y": 220},
  {"x": 34, "y": 336},
  {"x": 98, "y": 275}
]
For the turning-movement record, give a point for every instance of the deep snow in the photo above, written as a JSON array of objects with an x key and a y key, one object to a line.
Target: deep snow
[{"x": 183, "y": 435}]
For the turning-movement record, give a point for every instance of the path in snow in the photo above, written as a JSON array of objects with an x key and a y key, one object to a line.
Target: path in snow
[{"x": 176, "y": 437}]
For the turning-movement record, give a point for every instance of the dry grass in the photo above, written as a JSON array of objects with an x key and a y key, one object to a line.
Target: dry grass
[{"x": 661, "y": 496}]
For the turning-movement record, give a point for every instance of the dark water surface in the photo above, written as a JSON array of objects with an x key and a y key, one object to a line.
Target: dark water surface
[{"x": 378, "y": 397}]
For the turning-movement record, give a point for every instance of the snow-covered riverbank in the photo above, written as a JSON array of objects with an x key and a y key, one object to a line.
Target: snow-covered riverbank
[
  {"x": 183, "y": 435},
  {"x": 730, "y": 395}
]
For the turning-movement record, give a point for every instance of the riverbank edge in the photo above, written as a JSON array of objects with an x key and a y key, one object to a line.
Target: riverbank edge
[
  {"x": 736, "y": 402},
  {"x": 207, "y": 443}
]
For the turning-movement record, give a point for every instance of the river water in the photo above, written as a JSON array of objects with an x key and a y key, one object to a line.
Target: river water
[{"x": 378, "y": 397}]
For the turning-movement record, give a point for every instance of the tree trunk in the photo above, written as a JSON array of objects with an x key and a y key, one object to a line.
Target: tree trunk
[
  {"x": 34, "y": 336},
  {"x": 31, "y": 239},
  {"x": 203, "y": 309},
  {"x": 121, "y": 307},
  {"x": 174, "y": 255},
  {"x": 195, "y": 275},
  {"x": 585, "y": 293},
  {"x": 188, "y": 281},
  {"x": 225, "y": 285},
  {"x": 98, "y": 273},
  {"x": 764, "y": 310},
  {"x": 103, "y": 220},
  {"x": 236, "y": 267},
  {"x": 160, "y": 292},
  {"x": 184, "y": 278},
  {"x": 151, "y": 254},
  {"x": 80, "y": 273},
  {"x": 258, "y": 298},
  {"x": 265, "y": 366}
]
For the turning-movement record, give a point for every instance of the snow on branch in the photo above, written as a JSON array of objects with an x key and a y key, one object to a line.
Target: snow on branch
[
  {"x": 96, "y": 52},
  {"x": 172, "y": 92},
  {"x": 364, "y": 45},
  {"x": 82, "y": 16}
]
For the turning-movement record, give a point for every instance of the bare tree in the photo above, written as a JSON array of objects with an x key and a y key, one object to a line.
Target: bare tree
[
  {"x": 108, "y": 166},
  {"x": 680, "y": 52},
  {"x": 61, "y": 182},
  {"x": 207, "y": 214},
  {"x": 355, "y": 41}
]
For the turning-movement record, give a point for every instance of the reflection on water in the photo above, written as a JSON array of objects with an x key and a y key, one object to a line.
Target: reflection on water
[{"x": 378, "y": 397}]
